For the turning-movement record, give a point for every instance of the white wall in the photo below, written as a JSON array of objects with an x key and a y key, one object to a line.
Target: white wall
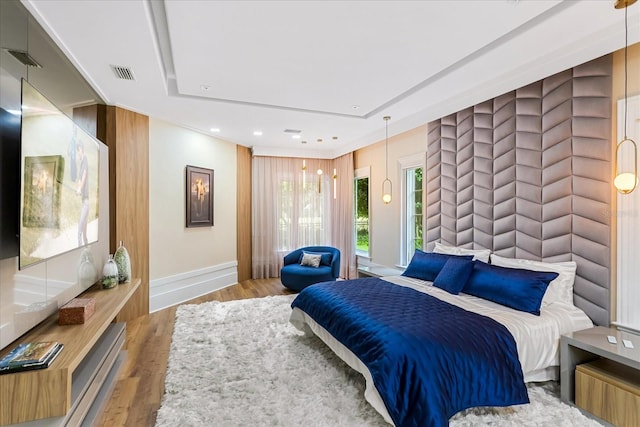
[
  {"x": 384, "y": 220},
  {"x": 188, "y": 262}
]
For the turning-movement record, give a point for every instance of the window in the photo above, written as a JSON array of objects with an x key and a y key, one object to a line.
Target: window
[
  {"x": 303, "y": 211},
  {"x": 412, "y": 207},
  {"x": 361, "y": 209}
]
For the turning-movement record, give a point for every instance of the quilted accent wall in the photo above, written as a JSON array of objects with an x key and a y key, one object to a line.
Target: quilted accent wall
[{"x": 527, "y": 175}]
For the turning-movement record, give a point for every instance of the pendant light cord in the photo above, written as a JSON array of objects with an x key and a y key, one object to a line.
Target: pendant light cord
[
  {"x": 386, "y": 148},
  {"x": 626, "y": 43}
]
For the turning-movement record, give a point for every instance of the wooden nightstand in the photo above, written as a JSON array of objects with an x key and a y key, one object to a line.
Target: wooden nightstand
[{"x": 606, "y": 381}]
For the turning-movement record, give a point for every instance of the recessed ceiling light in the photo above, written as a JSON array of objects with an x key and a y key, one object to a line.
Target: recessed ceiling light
[
  {"x": 295, "y": 136},
  {"x": 304, "y": 141},
  {"x": 319, "y": 139},
  {"x": 257, "y": 133},
  {"x": 215, "y": 130},
  {"x": 355, "y": 107},
  {"x": 334, "y": 137},
  {"x": 205, "y": 88}
]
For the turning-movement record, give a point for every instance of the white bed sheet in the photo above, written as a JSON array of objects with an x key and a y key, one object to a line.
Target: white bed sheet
[{"x": 537, "y": 337}]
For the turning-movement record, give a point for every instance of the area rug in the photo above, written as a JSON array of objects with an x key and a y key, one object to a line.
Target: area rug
[{"x": 241, "y": 363}]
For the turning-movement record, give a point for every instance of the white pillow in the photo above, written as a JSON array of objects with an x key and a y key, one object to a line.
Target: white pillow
[
  {"x": 479, "y": 254},
  {"x": 560, "y": 289},
  {"x": 310, "y": 260}
]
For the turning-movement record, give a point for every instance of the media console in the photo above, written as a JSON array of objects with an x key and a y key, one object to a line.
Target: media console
[{"x": 71, "y": 390}]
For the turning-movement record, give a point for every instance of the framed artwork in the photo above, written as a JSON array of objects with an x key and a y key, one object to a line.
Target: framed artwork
[
  {"x": 199, "y": 197},
  {"x": 42, "y": 182}
]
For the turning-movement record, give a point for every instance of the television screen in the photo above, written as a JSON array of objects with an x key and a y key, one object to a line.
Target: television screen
[
  {"x": 59, "y": 181},
  {"x": 10, "y": 188}
]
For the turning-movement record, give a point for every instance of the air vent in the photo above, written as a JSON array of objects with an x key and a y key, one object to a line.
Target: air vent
[
  {"x": 294, "y": 131},
  {"x": 25, "y": 58},
  {"x": 123, "y": 73}
]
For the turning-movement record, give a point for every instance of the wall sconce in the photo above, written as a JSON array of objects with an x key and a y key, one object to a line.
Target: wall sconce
[
  {"x": 319, "y": 179},
  {"x": 335, "y": 186},
  {"x": 626, "y": 182},
  {"x": 386, "y": 184}
]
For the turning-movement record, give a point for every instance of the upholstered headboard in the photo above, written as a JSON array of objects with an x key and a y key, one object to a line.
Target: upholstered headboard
[{"x": 527, "y": 175}]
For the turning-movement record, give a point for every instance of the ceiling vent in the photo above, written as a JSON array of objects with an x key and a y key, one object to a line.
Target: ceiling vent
[
  {"x": 294, "y": 131},
  {"x": 25, "y": 58},
  {"x": 123, "y": 73}
]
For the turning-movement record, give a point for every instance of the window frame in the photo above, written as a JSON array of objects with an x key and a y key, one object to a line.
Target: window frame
[
  {"x": 360, "y": 173},
  {"x": 414, "y": 161}
]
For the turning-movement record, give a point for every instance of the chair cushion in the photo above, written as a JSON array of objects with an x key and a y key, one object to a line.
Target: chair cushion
[
  {"x": 310, "y": 260},
  {"x": 325, "y": 257}
]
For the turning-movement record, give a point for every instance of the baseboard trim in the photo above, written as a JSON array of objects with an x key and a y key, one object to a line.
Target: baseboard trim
[{"x": 171, "y": 290}]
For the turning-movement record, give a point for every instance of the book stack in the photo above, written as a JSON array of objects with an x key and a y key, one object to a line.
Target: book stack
[{"x": 30, "y": 356}]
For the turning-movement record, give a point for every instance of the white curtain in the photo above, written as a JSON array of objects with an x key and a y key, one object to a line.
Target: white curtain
[
  {"x": 291, "y": 208},
  {"x": 342, "y": 231}
]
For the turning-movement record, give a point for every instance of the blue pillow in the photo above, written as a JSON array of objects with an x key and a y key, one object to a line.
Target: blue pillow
[
  {"x": 513, "y": 287},
  {"x": 454, "y": 275},
  {"x": 326, "y": 258},
  {"x": 427, "y": 265}
]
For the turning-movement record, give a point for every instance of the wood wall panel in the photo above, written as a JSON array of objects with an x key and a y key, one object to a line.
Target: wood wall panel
[
  {"x": 244, "y": 212},
  {"x": 128, "y": 141},
  {"x": 92, "y": 118}
]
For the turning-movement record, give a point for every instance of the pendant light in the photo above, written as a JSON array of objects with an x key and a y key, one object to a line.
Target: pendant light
[
  {"x": 386, "y": 184},
  {"x": 626, "y": 182}
]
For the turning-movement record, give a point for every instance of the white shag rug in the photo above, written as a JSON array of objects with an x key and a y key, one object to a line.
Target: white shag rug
[{"x": 241, "y": 363}]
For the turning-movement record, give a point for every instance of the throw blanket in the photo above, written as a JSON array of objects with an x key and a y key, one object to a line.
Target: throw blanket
[{"x": 428, "y": 359}]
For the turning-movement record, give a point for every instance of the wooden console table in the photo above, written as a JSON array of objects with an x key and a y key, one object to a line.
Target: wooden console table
[{"x": 68, "y": 391}]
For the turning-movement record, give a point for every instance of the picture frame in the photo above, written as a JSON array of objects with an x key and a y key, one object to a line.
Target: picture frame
[
  {"x": 42, "y": 187},
  {"x": 199, "y": 197}
]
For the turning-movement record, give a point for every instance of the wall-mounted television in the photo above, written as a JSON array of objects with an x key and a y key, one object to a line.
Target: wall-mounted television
[
  {"x": 51, "y": 264},
  {"x": 10, "y": 188},
  {"x": 59, "y": 186}
]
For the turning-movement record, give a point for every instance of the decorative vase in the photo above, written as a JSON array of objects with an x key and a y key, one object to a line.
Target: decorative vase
[
  {"x": 109, "y": 274},
  {"x": 121, "y": 257},
  {"x": 87, "y": 270}
]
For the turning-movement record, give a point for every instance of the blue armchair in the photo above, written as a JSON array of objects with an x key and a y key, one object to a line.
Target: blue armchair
[{"x": 295, "y": 276}]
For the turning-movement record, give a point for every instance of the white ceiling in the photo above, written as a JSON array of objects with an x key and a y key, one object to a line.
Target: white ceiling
[{"x": 242, "y": 66}]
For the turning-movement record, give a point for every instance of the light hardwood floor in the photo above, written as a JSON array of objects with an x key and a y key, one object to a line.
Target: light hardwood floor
[{"x": 138, "y": 392}]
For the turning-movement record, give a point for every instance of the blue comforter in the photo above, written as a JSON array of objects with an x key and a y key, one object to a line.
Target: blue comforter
[{"x": 428, "y": 359}]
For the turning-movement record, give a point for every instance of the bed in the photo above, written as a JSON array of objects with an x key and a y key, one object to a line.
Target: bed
[{"x": 428, "y": 352}]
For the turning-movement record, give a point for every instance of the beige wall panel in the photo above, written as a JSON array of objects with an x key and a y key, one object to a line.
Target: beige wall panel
[
  {"x": 385, "y": 219},
  {"x": 175, "y": 249}
]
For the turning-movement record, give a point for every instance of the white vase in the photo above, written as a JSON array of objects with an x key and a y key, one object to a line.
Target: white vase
[
  {"x": 87, "y": 270},
  {"x": 109, "y": 274},
  {"x": 121, "y": 257}
]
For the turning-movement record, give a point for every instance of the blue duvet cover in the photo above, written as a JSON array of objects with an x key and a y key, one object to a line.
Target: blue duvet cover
[{"x": 428, "y": 359}]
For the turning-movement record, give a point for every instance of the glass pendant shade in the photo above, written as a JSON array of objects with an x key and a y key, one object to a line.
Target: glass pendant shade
[
  {"x": 386, "y": 191},
  {"x": 626, "y": 182}
]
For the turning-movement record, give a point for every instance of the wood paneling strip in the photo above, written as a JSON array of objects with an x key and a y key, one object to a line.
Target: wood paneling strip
[
  {"x": 128, "y": 141},
  {"x": 243, "y": 200}
]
